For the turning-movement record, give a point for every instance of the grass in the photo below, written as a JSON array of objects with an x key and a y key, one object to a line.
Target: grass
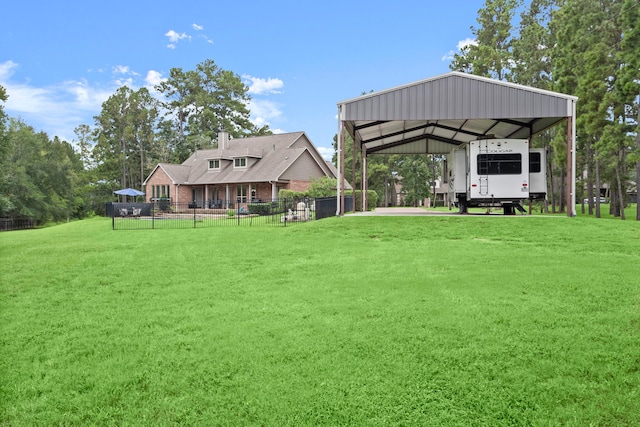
[
  {"x": 630, "y": 211},
  {"x": 345, "y": 321}
]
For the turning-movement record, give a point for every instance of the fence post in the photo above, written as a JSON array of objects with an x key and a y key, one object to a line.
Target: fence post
[{"x": 194, "y": 214}]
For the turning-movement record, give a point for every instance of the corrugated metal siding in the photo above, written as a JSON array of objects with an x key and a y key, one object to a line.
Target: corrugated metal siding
[
  {"x": 457, "y": 97},
  {"x": 303, "y": 169}
]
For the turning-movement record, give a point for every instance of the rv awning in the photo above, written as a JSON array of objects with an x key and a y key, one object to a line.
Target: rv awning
[{"x": 433, "y": 116}]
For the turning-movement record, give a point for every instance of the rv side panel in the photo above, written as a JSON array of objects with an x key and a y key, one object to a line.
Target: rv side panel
[
  {"x": 457, "y": 161},
  {"x": 538, "y": 173}
]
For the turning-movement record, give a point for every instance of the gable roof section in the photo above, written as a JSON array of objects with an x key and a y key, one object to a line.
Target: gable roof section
[
  {"x": 273, "y": 154},
  {"x": 176, "y": 173},
  {"x": 434, "y": 115}
]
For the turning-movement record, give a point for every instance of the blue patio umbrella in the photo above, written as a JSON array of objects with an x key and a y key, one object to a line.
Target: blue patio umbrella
[{"x": 129, "y": 192}]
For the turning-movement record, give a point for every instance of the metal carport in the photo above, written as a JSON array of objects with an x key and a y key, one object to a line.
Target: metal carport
[{"x": 434, "y": 115}]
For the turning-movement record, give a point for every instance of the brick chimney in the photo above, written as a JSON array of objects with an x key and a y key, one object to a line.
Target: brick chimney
[{"x": 223, "y": 140}]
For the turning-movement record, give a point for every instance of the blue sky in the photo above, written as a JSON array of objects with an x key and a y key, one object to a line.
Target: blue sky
[{"x": 60, "y": 60}]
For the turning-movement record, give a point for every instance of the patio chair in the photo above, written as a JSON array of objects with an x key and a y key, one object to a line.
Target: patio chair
[
  {"x": 137, "y": 211},
  {"x": 124, "y": 212}
]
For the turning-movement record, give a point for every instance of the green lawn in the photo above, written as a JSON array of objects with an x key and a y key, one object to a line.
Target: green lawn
[{"x": 345, "y": 321}]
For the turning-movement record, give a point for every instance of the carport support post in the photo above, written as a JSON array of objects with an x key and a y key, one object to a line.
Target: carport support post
[
  {"x": 340, "y": 168},
  {"x": 571, "y": 160},
  {"x": 365, "y": 182},
  {"x": 353, "y": 175}
]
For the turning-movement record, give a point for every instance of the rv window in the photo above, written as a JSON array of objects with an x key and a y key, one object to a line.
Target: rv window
[
  {"x": 535, "y": 163},
  {"x": 500, "y": 164}
]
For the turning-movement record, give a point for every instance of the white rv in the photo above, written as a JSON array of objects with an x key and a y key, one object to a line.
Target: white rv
[{"x": 496, "y": 172}]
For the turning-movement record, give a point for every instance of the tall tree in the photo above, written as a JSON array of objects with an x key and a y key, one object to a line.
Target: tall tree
[
  {"x": 85, "y": 144},
  {"x": 42, "y": 176},
  {"x": 596, "y": 57},
  {"x": 416, "y": 179},
  {"x": 5, "y": 201},
  {"x": 627, "y": 84},
  {"x": 204, "y": 101},
  {"x": 532, "y": 48},
  {"x": 124, "y": 133},
  {"x": 491, "y": 54}
]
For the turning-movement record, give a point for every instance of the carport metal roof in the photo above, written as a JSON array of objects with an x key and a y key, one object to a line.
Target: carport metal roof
[{"x": 433, "y": 116}]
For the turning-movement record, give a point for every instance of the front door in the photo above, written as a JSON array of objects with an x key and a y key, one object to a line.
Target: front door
[{"x": 197, "y": 196}]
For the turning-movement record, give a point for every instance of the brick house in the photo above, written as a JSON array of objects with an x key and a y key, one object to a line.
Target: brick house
[{"x": 240, "y": 171}]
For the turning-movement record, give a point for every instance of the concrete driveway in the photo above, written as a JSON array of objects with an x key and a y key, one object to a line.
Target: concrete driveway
[{"x": 403, "y": 211}]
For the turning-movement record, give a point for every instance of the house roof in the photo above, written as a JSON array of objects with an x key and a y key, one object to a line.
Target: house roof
[{"x": 273, "y": 154}]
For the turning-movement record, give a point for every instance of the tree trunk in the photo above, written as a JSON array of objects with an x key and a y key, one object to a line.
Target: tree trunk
[
  {"x": 141, "y": 164},
  {"x": 589, "y": 177},
  {"x": 598, "y": 213},
  {"x": 619, "y": 160},
  {"x": 562, "y": 191},
  {"x": 552, "y": 187}
]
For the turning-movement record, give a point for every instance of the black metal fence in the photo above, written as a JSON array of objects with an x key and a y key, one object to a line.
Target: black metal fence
[
  {"x": 327, "y": 206},
  {"x": 161, "y": 214},
  {"x": 8, "y": 224}
]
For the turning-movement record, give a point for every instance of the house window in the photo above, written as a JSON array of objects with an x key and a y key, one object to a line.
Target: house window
[
  {"x": 499, "y": 164},
  {"x": 159, "y": 191},
  {"x": 214, "y": 164},
  {"x": 240, "y": 162},
  {"x": 241, "y": 191}
]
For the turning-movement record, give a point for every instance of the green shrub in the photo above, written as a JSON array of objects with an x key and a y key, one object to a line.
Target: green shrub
[
  {"x": 372, "y": 199},
  {"x": 290, "y": 194},
  {"x": 322, "y": 187},
  {"x": 260, "y": 208}
]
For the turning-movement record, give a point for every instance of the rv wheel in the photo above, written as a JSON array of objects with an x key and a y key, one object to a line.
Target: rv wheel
[{"x": 462, "y": 204}]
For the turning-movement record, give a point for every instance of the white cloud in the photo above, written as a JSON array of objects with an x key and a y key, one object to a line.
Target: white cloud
[
  {"x": 326, "y": 153},
  {"x": 56, "y": 109},
  {"x": 207, "y": 39},
  {"x": 7, "y": 69},
  {"x": 260, "y": 86},
  {"x": 60, "y": 107},
  {"x": 154, "y": 78},
  {"x": 262, "y": 111},
  {"x": 124, "y": 69},
  {"x": 466, "y": 42},
  {"x": 121, "y": 69},
  {"x": 175, "y": 37},
  {"x": 197, "y": 27},
  {"x": 460, "y": 46}
]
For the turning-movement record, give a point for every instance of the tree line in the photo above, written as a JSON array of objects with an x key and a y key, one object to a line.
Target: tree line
[
  {"x": 586, "y": 48},
  {"x": 52, "y": 180}
]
